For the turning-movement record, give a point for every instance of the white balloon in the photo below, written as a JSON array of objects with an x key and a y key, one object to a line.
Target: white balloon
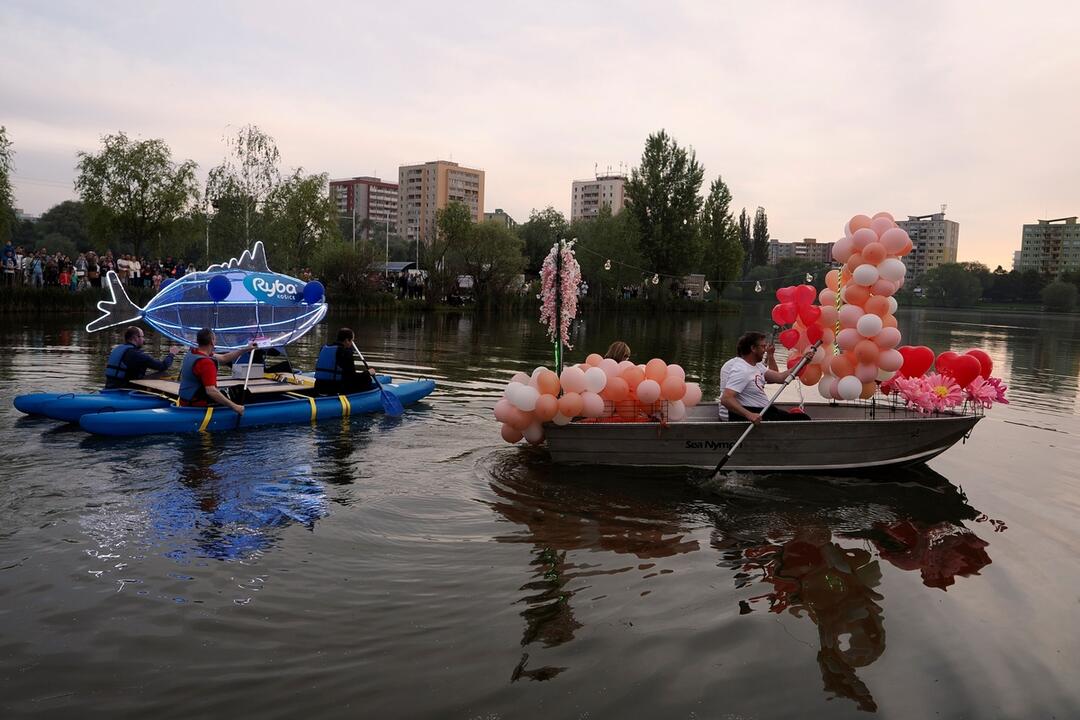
[
  {"x": 676, "y": 410},
  {"x": 849, "y": 387},
  {"x": 884, "y": 375},
  {"x": 865, "y": 274},
  {"x": 892, "y": 269},
  {"x": 595, "y": 379},
  {"x": 869, "y": 325},
  {"x": 525, "y": 398},
  {"x": 893, "y": 305},
  {"x": 511, "y": 390},
  {"x": 534, "y": 433},
  {"x": 560, "y": 419}
]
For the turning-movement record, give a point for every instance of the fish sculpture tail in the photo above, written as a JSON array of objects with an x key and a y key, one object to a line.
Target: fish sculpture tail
[{"x": 117, "y": 311}]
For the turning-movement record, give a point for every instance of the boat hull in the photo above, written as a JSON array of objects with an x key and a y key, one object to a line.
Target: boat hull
[
  {"x": 840, "y": 438},
  {"x": 278, "y": 412},
  {"x": 69, "y": 407}
]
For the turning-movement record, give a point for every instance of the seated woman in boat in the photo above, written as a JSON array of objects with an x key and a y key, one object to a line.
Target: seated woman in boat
[
  {"x": 198, "y": 373},
  {"x": 128, "y": 362},
  {"x": 743, "y": 380},
  {"x": 618, "y": 351},
  {"x": 335, "y": 369}
]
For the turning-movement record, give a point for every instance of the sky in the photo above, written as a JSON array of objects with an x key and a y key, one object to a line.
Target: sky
[{"x": 814, "y": 111}]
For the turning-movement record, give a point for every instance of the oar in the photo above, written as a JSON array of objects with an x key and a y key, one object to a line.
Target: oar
[
  {"x": 247, "y": 376},
  {"x": 791, "y": 376},
  {"x": 390, "y": 404}
]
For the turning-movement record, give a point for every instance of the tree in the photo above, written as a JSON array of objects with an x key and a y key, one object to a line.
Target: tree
[
  {"x": 952, "y": 285},
  {"x": 246, "y": 178},
  {"x": 723, "y": 253},
  {"x": 980, "y": 271},
  {"x": 746, "y": 242},
  {"x": 1059, "y": 296},
  {"x": 454, "y": 223},
  {"x": 69, "y": 220},
  {"x": 760, "y": 243},
  {"x": 300, "y": 214},
  {"x": 132, "y": 190},
  {"x": 663, "y": 198},
  {"x": 7, "y": 194},
  {"x": 539, "y": 233},
  {"x": 607, "y": 237},
  {"x": 491, "y": 254}
]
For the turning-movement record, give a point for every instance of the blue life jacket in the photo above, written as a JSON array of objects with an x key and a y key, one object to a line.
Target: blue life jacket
[
  {"x": 326, "y": 367},
  {"x": 116, "y": 367},
  {"x": 191, "y": 387}
]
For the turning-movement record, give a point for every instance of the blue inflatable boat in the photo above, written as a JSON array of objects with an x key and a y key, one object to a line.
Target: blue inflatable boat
[{"x": 295, "y": 409}]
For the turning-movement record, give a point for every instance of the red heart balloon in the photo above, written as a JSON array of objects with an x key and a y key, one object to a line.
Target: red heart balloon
[
  {"x": 944, "y": 360},
  {"x": 964, "y": 369},
  {"x": 809, "y": 313},
  {"x": 789, "y": 338},
  {"x": 778, "y": 315},
  {"x": 814, "y": 333},
  {"x": 985, "y": 363},
  {"x": 917, "y": 360},
  {"x": 805, "y": 294},
  {"x": 789, "y": 311},
  {"x": 786, "y": 294}
]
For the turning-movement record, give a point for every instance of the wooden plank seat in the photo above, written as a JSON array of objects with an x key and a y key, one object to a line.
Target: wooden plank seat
[{"x": 256, "y": 386}]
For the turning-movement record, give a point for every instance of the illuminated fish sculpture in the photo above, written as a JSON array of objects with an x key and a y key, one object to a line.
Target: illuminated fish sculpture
[{"x": 241, "y": 300}]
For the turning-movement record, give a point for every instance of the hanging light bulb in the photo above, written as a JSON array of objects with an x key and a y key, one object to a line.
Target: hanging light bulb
[
  {"x": 757, "y": 286},
  {"x": 809, "y": 278},
  {"x": 656, "y": 279},
  {"x": 607, "y": 264},
  {"x": 539, "y": 296},
  {"x": 707, "y": 288}
]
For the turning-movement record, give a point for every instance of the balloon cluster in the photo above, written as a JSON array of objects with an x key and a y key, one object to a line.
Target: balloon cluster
[
  {"x": 598, "y": 388},
  {"x": 957, "y": 377}
]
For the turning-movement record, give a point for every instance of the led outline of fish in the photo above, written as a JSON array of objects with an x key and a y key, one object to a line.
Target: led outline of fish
[{"x": 120, "y": 309}]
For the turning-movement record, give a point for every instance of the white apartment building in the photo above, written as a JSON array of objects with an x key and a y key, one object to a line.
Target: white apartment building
[
  {"x": 1051, "y": 247},
  {"x": 934, "y": 241},
  {"x": 588, "y": 196}
]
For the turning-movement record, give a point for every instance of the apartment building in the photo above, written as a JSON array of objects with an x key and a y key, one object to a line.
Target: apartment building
[
  {"x": 428, "y": 187},
  {"x": 1051, "y": 247},
  {"x": 934, "y": 241},
  {"x": 587, "y": 197},
  {"x": 366, "y": 198},
  {"x": 807, "y": 249},
  {"x": 500, "y": 217}
]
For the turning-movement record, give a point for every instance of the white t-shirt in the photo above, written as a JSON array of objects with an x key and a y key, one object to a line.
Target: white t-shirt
[{"x": 748, "y": 382}]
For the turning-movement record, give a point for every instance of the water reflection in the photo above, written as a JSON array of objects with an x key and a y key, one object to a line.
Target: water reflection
[{"x": 794, "y": 537}]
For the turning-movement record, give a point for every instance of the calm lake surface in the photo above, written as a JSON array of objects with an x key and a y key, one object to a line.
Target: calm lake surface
[{"x": 421, "y": 567}]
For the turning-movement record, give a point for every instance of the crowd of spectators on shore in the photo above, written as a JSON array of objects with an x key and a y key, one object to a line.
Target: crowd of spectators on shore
[{"x": 39, "y": 268}]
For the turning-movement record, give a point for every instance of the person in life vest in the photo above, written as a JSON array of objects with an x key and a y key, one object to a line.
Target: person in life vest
[
  {"x": 335, "y": 370},
  {"x": 198, "y": 373},
  {"x": 128, "y": 362}
]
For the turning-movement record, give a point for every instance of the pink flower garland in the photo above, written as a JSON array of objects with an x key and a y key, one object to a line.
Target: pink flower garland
[
  {"x": 986, "y": 392},
  {"x": 569, "y": 282},
  {"x": 935, "y": 392}
]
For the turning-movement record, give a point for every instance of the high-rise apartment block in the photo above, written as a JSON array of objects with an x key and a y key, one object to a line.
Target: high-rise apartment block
[
  {"x": 587, "y": 197},
  {"x": 933, "y": 242},
  {"x": 500, "y": 216},
  {"x": 808, "y": 249},
  {"x": 366, "y": 198},
  {"x": 1050, "y": 247},
  {"x": 423, "y": 189}
]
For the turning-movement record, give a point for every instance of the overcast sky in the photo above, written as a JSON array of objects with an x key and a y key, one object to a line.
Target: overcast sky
[{"x": 814, "y": 110}]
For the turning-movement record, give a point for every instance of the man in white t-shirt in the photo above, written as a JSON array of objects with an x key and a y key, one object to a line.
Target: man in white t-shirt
[{"x": 743, "y": 379}]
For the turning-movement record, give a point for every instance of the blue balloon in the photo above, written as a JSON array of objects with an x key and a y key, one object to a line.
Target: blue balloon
[
  {"x": 167, "y": 282},
  {"x": 313, "y": 292},
  {"x": 219, "y": 288}
]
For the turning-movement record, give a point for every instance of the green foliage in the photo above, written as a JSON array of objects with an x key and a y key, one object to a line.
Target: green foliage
[
  {"x": 491, "y": 254},
  {"x": 793, "y": 271},
  {"x": 746, "y": 242},
  {"x": 7, "y": 194},
  {"x": 132, "y": 191},
  {"x": 952, "y": 285},
  {"x": 722, "y": 258},
  {"x": 454, "y": 223},
  {"x": 300, "y": 215},
  {"x": 607, "y": 237},
  {"x": 345, "y": 272},
  {"x": 57, "y": 243},
  {"x": 247, "y": 176},
  {"x": 67, "y": 219},
  {"x": 1059, "y": 296},
  {"x": 539, "y": 233},
  {"x": 760, "y": 243},
  {"x": 663, "y": 198}
]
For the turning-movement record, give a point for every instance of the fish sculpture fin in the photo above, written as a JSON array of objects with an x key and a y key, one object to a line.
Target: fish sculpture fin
[
  {"x": 117, "y": 311},
  {"x": 253, "y": 259}
]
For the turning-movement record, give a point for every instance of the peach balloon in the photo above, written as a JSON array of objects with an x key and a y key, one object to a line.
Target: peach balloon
[
  {"x": 610, "y": 367},
  {"x": 828, "y": 317},
  {"x": 693, "y": 395},
  {"x": 868, "y": 390},
  {"x": 548, "y": 383},
  {"x": 827, "y": 297},
  {"x": 572, "y": 380},
  {"x": 534, "y": 434},
  {"x": 810, "y": 375},
  {"x": 866, "y": 351},
  {"x": 674, "y": 370},
  {"x": 624, "y": 364},
  {"x": 889, "y": 321},
  {"x": 510, "y": 434},
  {"x": 570, "y": 405},
  {"x": 832, "y": 279},
  {"x": 874, "y": 253},
  {"x": 866, "y": 373},
  {"x": 616, "y": 389},
  {"x": 656, "y": 369},
  {"x": 877, "y": 305},
  {"x": 842, "y": 248},
  {"x": 889, "y": 337},
  {"x": 854, "y": 261},
  {"x": 594, "y": 359},
  {"x": 848, "y": 339},
  {"x": 849, "y": 315},
  {"x": 839, "y": 366},
  {"x": 856, "y": 295},
  {"x": 518, "y": 419},
  {"x": 521, "y": 378},
  {"x": 906, "y": 249},
  {"x": 894, "y": 240},
  {"x": 592, "y": 405},
  {"x": 546, "y": 407},
  {"x": 858, "y": 222},
  {"x": 882, "y": 214},
  {"x": 880, "y": 225},
  {"x": 633, "y": 376},
  {"x": 648, "y": 391},
  {"x": 828, "y": 337},
  {"x": 845, "y": 276},
  {"x": 884, "y": 288},
  {"x": 862, "y": 238},
  {"x": 890, "y": 360},
  {"x": 672, "y": 388}
]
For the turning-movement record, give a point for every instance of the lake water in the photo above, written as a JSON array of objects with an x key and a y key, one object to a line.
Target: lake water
[{"x": 421, "y": 567}]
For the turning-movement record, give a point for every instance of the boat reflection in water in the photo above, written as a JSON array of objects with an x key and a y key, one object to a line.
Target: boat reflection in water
[
  {"x": 804, "y": 541},
  {"x": 808, "y": 547}
]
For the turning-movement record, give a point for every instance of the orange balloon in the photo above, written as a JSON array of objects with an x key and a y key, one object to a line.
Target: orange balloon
[
  {"x": 874, "y": 253},
  {"x": 845, "y": 276},
  {"x": 840, "y": 366},
  {"x": 868, "y": 390},
  {"x": 856, "y": 295},
  {"x": 546, "y": 407},
  {"x": 517, "y": 419},
  {"x": 832, "y": 280},
  {"x": 810, "y": 375},
  {"x": 907, "y": 248},
  {"x": 616, "y": 389},
  {"x": 656, "y": 369},
  {"x": 571, "y": 404},
  {"x": 854, "y": 261},
  {"x": 510, "y": 433},
  {"x": 877, "y": 305},
  {"x": 672, "y": 388},
  {"x": 866, "y": 352},
  {"x": 547, "y": 382},
  {"x": 888, "y": 320},
  {"x": 633, "y": 376},
  {"x": 593, "y": 359}
]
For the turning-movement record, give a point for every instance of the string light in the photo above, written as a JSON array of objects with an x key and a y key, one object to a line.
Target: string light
[
  {"x": 809, "y": 278},
  {"x": 656, "y": 279},
  {"x": 757, "y": 286},
  {"x": 707, "y": 288},
  {"x": 607, "y": 264}
]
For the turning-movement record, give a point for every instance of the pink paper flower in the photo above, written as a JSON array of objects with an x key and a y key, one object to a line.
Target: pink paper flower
[
  {"x": 1000, "y": 388},
  {"x": 945, "y": 393},
  {"x": 916, "y": 393},
  {"x": 569, "y": 280},
  {"x": 981, "y": 392}
]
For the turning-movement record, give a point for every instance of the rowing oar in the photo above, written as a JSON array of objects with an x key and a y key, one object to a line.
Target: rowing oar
[
  {"x": 247, "y": 376},
  {"x": 390, "y": 404},
  {"x": 791, "y": 376}
]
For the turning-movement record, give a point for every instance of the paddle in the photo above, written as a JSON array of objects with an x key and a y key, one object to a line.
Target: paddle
[
  {"x": 390, "y": 404},
  {"x": 247, "y": 376},
  {"x": 791, "y": 376}
]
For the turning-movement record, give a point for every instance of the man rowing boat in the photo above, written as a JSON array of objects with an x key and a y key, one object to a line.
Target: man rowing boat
[{"x": 743, "y": 380}]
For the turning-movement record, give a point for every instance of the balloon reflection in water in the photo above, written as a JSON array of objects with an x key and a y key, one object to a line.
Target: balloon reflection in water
[{"x": 796, "y": 546}]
